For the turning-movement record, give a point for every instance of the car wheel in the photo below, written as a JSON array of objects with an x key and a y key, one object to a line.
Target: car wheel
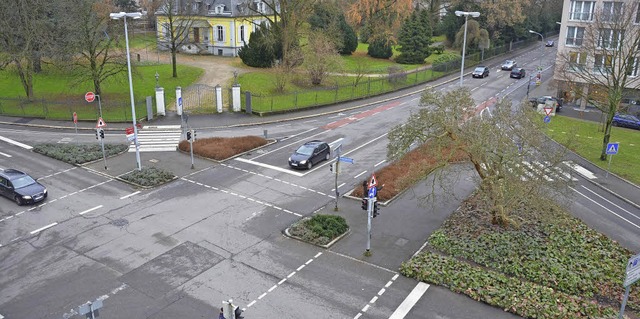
[
  {"x": 309, "y": 165},
  {"x": 18, "y": 200}
]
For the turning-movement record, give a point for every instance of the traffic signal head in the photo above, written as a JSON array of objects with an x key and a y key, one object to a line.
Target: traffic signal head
[
  {"x": 375, "y": 209},
  {"x": 101, "y": 133},
  {"x": 364, "y": 204},
  {"x": 188, "y": 135}
]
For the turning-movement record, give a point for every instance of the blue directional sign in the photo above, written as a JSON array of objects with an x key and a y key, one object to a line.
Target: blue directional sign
[
  {"x": 346, "y": 159},
  {"x": 372, "y": 192},
  {"x": 547, "y": 119},
  {"x": 612, "y": 148},
  {"x": 180, "y": 101}
]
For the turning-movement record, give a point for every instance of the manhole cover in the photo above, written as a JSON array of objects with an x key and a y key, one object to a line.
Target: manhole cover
[{"x": 120, "y": 222}]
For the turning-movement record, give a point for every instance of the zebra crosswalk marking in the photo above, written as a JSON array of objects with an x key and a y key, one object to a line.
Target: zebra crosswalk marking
[{"x": 159, "y": 138}]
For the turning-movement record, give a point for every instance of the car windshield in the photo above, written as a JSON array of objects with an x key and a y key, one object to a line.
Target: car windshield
[
  {"x": 22, "y": 182},
  {"x": 305, "y": 150},
  {"x": 480, "y": 69},
  {"x": 509, "y": 62}
]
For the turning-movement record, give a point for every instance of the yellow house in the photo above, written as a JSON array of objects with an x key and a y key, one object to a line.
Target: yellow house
[{"x": 218, "y": 27}]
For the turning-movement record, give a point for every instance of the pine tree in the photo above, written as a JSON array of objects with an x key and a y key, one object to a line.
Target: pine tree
[{"x": 415, "y": 38}]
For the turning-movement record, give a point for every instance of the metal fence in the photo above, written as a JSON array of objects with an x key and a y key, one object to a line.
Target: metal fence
[
  {"x": 371, "y": 86},
  {"x": 112, "y": 111}
]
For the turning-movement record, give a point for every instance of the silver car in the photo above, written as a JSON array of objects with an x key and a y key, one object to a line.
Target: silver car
[{"x": 509, "y": 65}]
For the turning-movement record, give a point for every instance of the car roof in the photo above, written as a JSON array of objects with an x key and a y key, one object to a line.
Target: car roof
[
  {"x": 12, "y": 173},
  {"x": 314, "y": 142},
  {"x": 481, "y": 67}
]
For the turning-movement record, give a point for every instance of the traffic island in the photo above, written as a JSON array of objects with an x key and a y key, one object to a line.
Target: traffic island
[{"x": 320, "y": 230}]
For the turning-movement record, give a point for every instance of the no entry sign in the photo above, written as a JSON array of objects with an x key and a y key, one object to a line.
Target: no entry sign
[{"x": 89, "y": 97}]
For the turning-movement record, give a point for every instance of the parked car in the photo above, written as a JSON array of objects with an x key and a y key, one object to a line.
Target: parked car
[
  {"x": 518, "y": 73},
  {"x": 626, "y": 120},
  {"x": 309, "y": 154},
  {"x": 20, "y": 187},
  {"x": 543, "y": 99},
  {"x": 480, "y": 72},
  {"x": 509, "y": 65},
  {"x": 549, "y": 43}
]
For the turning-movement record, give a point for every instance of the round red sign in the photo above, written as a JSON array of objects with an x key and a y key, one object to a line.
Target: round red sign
[{"x": 90, "y": 97}]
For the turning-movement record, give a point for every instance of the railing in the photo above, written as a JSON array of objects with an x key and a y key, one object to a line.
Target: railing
[{"x": 112, "y": 111}]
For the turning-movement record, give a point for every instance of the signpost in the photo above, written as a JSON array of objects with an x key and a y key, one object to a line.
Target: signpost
[
  {"x": 336, "y": 166},
  {"x": 100, "y": 133},
  {"x": 75, "y": 123},
  {"x": 632, "y": 275},
  {"x": 90, "y": 97},
  {"x": 612, "y": 149},
  {"x": 373, "y": 190}
]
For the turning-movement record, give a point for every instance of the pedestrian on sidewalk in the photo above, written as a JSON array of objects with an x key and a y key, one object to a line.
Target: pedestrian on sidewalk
[{"x": 221, "y": 316}]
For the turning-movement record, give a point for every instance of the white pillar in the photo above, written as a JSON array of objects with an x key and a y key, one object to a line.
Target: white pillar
[
  {"x": 179, "y": 100},
  {"x": 219, "y": 98},
  {"x": 160, "y": 101},
  {"x": 235, "y": 97}
]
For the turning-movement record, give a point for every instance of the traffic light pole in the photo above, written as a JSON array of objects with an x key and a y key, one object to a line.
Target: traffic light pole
[
  {"x": 104, "y": 157},
  {"x": 191, "y": 148},
  {"x": 336, "y": 179},
  {"x": 369, "y": 214}
]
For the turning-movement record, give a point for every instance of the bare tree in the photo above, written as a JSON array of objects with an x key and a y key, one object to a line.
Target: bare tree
[
  {"x": 512, "y": 159},
  {"x": 321, "y": 56},
  {"x": 90, "y": 49},
  {"x": 24, "y": 24},
  {"x": 600, "y": 62},
  {"x": 175, "y": 19}
]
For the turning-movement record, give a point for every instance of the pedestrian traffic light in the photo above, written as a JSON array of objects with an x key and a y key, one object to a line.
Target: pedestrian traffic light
[
  {"x": 188, "y": 135},
  {"x": 364, "y": 204},
  {"x": 101, "y": 133},
  {"x": 375, "y": 209}
]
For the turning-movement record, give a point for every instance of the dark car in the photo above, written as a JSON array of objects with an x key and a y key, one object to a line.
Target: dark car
[
  {"x": 20, "y": 187},
  {"x": 480, "y": 72},
  {"x": 543, "y": 99},
  {"x": 518, "y": 73},
  {"x": 509, "y": 65},
  {"x": 626, "y": 120},
  {"x": 549, "y": 43},
  {"x": 309, "y": 154}
]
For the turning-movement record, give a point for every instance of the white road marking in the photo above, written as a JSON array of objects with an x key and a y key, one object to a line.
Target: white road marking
[
  {"x": 612, "y": 203},
  {"x": 43, "y": 228},
  {"x": 89, "y": 210},
  {"x": 279, "y": 169},
  {"x": 612, "y": 212},
  {"x": 410, "y": 301},
  {"x": 581, "y": 170},
  {"x": 16, "y": 143},
  {"x": 360, "y": 174},
  {"x": 379, "y": 163},
  {"x": 7, "y": 155}
]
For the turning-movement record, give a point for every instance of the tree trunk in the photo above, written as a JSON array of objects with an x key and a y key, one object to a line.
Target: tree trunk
[
  {"x": 173, "y": 60},
  {"x": 37, "y": 62},
  {"x": 26, "y": 78}
]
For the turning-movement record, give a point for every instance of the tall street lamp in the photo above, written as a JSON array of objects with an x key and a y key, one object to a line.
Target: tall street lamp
[
  {"x": 464, "y": 41},
  {"x": 539, "y": 58},
  {"x": 133, "y": 15}
]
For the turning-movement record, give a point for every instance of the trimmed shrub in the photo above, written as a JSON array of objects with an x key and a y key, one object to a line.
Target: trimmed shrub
[
  {"x": 79, "y": 153},
  {"x": 319, "y": 229},
  {"x": 148, "y": 176},
  {"x": 221, "y": 148}
]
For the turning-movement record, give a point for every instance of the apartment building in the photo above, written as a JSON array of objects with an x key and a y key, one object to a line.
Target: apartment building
[{"x": 599, "y": 45}]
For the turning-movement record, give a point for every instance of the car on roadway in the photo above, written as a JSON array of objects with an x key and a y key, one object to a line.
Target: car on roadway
[
  {"x": 480, "y": 72},
  {"x": 20, "y": 187},
  {"x": 549, "y": 43},
  {"x": 509, "y": 65},
  {"x": 518, "y": 73},
  {"x": 543, "y": 99},
  {"x": 626, "y": 120},
  {"x": 309, "y": 154}
]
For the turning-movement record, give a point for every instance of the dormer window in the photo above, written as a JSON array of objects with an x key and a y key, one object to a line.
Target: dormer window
[
  {"x": 219, "y": 9},
  {"x": 260, "y": 7}
]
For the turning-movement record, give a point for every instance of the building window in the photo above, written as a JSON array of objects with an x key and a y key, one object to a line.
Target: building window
[
  {"x": 242, "y": 33},
  {"x": 632, "y": 66},
  {"x": 574, "y": 36},
  {"x": 610, "y": 39},
  {"x": 260, "y": 7},
  {"x": 582, "y": 10},
  {"x": 219, "y": 33},
  {"x": 611, "y": 11},
  {"x": 602, "y": 63},
  {"x": 577, "y": 60},
  {"x": 166, "y": 31},
  {"x": 219, "y": 9}
]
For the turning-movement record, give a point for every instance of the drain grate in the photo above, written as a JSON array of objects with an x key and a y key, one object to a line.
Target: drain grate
[{"x": 120, "y": 222}]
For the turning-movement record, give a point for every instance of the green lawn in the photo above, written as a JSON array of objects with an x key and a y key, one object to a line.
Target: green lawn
[
  {"x": 62, "y": 96},
  {"x": 589, "y": 137}
]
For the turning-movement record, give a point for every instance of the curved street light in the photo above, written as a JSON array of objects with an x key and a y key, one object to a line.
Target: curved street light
[
  {"x": 539, "y": 58},
  {"x": 464, "y": 41},
  {"x": 124, "y": 16}
]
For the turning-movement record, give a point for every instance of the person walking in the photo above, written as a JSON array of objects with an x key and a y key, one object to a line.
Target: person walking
[{"x": 221, "y": 316}]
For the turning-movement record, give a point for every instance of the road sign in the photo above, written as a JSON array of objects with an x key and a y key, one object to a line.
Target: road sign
[
  {"x": 612, "y": 148},
  {"x": 180, "y": 102},
  {"x": 129, "y": 130},
  {"x": 75, "y": 117},
  {"x": 89, "y": 97},
  {"x": 373, "y": 191},
  {"x": 548, "y": 110},
  {"x": 346, "y": 159},
  {"x": 547, "y": 119},
  {"x": 373, "y": 182},
  {"x": 633, "y": 270},
  {"x": 101, "y": 123}
]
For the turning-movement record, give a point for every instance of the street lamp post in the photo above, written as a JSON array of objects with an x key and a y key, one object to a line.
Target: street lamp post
[
  {"x": 539, "y": 58},
  {"x": 133, "y": 15},
  {"x": 464, "y": 41}
]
